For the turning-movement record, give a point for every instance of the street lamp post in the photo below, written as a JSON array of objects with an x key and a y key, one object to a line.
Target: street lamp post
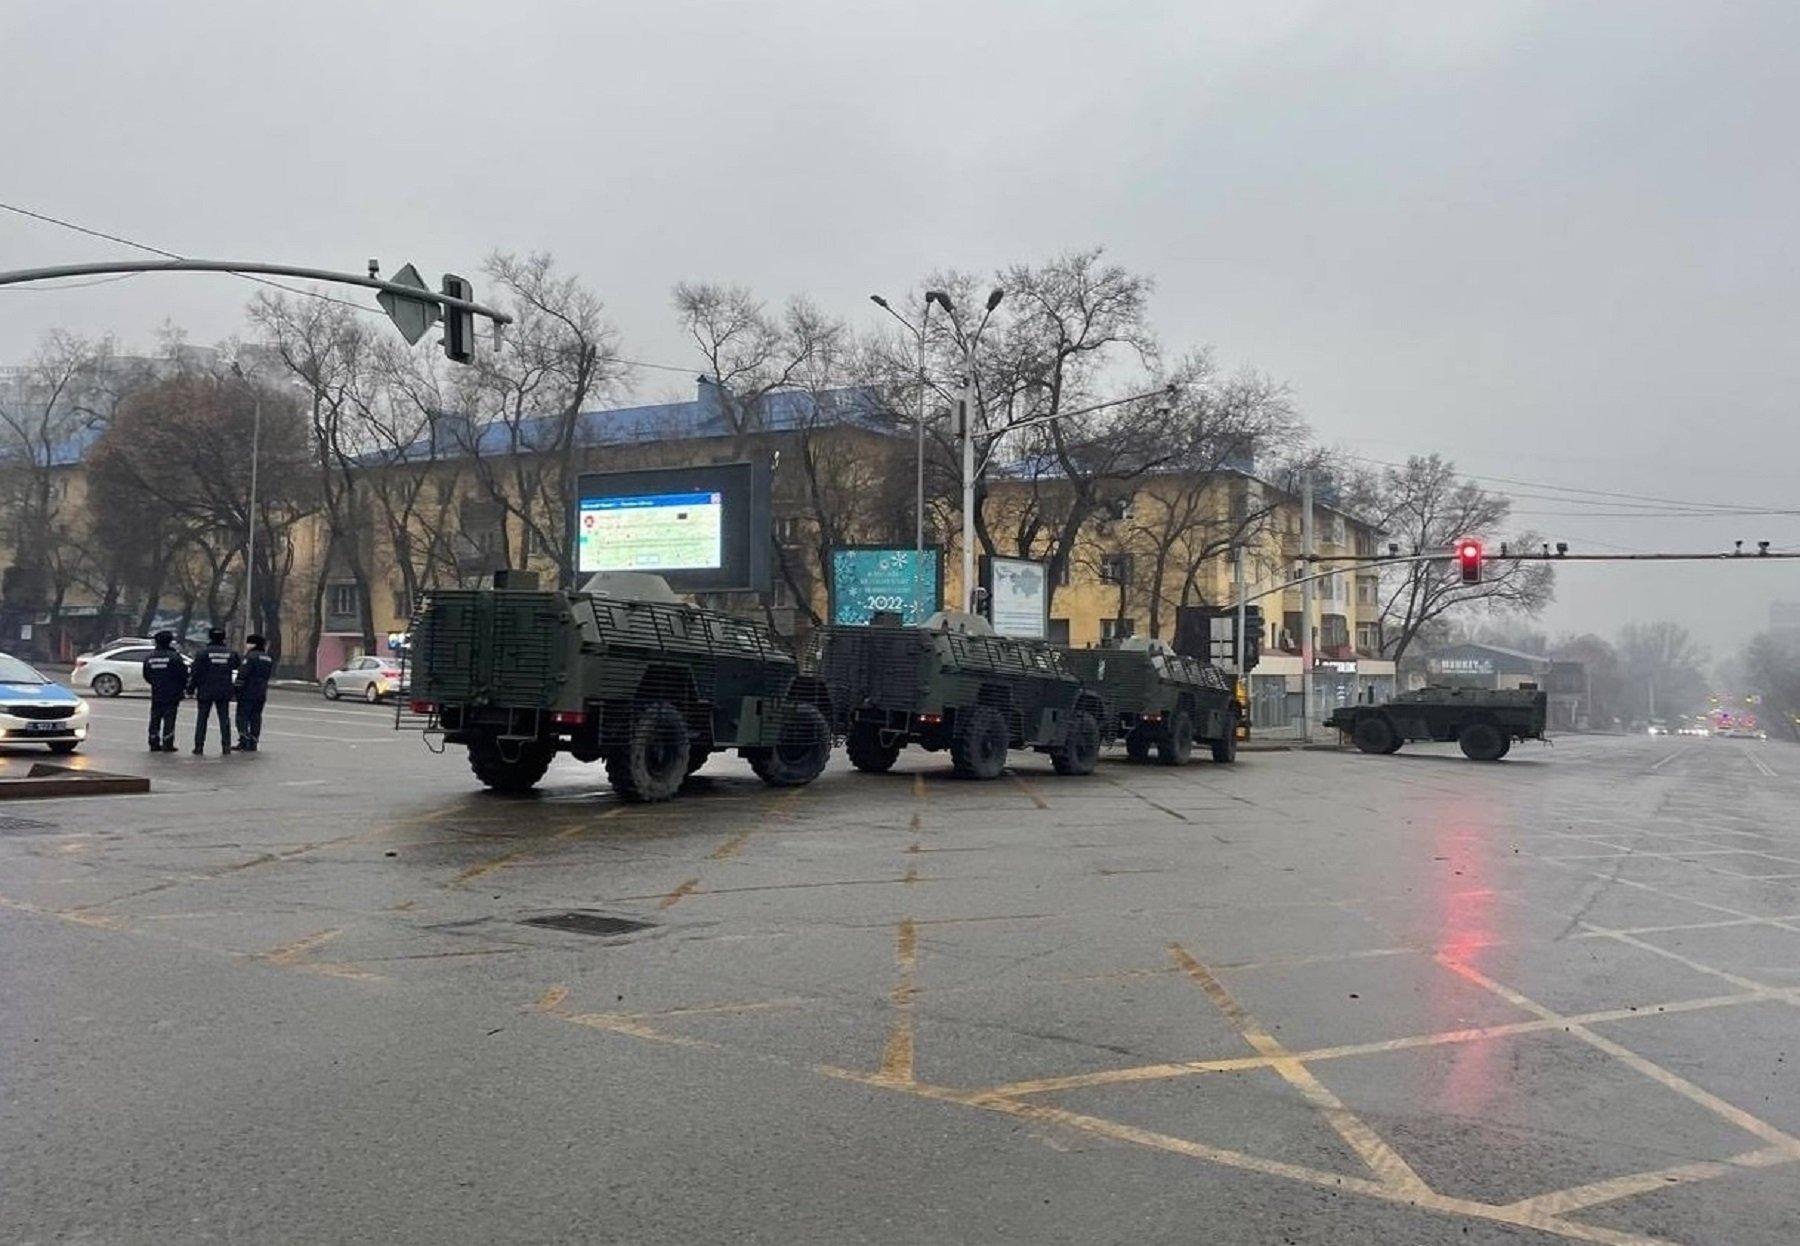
[
  {"x": 970, "y": 395},
  {"x": 255, "y": 454},
  {"x": 919, "y": 434}
]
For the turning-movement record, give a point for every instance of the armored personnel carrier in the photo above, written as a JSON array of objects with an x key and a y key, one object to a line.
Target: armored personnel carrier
[
  {"x": 952, "y": 684},
  {"x": 1484, "y": 722},
  {"x": 622, "y": 672},
  {"x": 1160, "y": 701}
]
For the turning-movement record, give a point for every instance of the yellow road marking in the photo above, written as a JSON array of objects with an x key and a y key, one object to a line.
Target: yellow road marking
[
  {"x": 1120, "y": 1132},
  {"x": 1561, "y": 1202},
  {"x": 912, "y": 874},
  {"x": 897, "y": 1054},
  {"x": 679, "y": 894},
  {"x": 552, "y": 998},
  {"x": 1234, "y": 1064},
  {"x": 292, "y": 953},
  {"x": 1655, "y": 1072},
  {"x": 1029, "y": 791},
  {"x": 918, "y": 785},
  {"x": 729, "y": 849},
  {"x": 1393, "y": 1171}
]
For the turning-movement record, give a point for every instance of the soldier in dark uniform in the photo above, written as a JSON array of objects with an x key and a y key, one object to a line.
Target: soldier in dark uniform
[
  {"x": 215, "y": 669},
  {"x": 166, "y": 671},
  {"x": 252, "y": 692}
]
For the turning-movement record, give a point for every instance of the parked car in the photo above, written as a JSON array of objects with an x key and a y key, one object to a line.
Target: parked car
[
  {"x": 34, "y": 710},
  {"x": 368, "y": 678},
  {"x": 113, "y": 671},
  {"x": 117, "y": 642}
]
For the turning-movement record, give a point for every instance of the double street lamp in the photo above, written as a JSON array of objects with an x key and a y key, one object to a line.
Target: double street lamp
[{"x": 966, "y": 425}]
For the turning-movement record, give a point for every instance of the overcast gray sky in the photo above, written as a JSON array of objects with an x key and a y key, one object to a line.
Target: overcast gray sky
[{"x": 1553, "y": 241}]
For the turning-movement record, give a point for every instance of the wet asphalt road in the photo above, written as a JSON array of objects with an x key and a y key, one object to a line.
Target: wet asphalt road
[{"x": 1314, "y": 998}]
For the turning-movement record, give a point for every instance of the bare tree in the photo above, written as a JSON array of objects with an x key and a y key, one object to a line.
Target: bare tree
[
  {"x": 1426, "y": 507},
  {"x": 49, "y": 410},
  {"x": 524, "y": 438},
  {"x": 182, "y": 446},
  {"x": 1662, "y": 668}
]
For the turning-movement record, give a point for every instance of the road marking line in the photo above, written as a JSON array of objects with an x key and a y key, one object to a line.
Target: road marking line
[
  {"x": 680, "y": 893},
  {"x": 897, "y": 1054},
  {"x": 1655, "y": 1072},
  {"x": 1234, "y": 1064},
  {"x": 918, "y": 785},
  {"x": 552, "y": 998},
  {"x": 1393, "y": 1171},
  {"x": 1561, "y": 1202},
  {"x": 298, "y": 955},
  {"x": 1659, "y": 764},
  {"x": 1030, "y": 792},
  {"x": 1119, "y": 1132},
  {"x": 729, "y": 849}
]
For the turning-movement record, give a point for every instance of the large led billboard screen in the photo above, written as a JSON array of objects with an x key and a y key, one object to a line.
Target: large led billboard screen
[
  {"x": 867, "y": 580},
  {"x": 704, "y": 529}
]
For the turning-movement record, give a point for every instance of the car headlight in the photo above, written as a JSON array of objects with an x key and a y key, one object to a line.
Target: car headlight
[{"x": 80, "y": 716}]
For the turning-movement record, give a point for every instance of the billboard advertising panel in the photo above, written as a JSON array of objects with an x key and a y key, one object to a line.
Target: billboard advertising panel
[
  {"x": 1018, "y": 596},
  {"x": 866, "y": 579},
  {"x": 703, "y": 528}
]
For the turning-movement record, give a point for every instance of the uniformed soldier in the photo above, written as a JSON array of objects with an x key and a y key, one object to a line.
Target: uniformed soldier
[
  {"x": 166, "y": 671},
  {"x": 252, "y": 692},
  {"x": 215, "y": 669}
]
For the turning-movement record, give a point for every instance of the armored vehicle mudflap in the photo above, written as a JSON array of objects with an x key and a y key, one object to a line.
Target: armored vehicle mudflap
[
  {"x": 1483, "y": 722},
  {"x": 650, "y": 688},
  {"x": 1160, "y": 703},
  {"x": 954, "y": 687}
]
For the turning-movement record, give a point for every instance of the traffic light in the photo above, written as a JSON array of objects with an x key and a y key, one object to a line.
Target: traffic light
[
  {"x": 1468, "y": 561},
  {"x": 459, "y": 322}
]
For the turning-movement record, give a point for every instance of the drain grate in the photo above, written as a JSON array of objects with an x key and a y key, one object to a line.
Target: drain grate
[
  {"x": 587, "y": 923},
  {"x": 23, "y": 824}
]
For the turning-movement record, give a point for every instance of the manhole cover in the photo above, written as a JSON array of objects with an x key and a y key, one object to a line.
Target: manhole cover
[
  {"x": 22, "y": 824},
  {"x": 587, "y": 923}
]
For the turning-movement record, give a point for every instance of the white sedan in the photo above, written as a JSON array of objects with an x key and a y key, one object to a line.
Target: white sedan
[
  {"x": 368, "y": 678},
  {"x": 112, "y": 671}
]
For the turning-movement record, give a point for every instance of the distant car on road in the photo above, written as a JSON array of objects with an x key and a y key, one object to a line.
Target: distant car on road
[
  {"x": 34, "y": 710},
  {"x": 368, "y": 678},
  {"x": 115, "y": 670}
]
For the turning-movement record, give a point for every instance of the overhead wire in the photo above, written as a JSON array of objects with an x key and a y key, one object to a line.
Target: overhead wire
[{"x": 144, "y": 246}]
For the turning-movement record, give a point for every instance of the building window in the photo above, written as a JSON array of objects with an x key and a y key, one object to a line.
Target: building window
[
  {"x": 402, "y": 604},
  {"x": 1334, "y": 631},
  {"x": 1368, "y": 637},
  {"x": 1059, "y": 631},
  {"x": 1116, "y": 629},
  {"x": 787, "y": 529},
  {"x": 1062, "y": 574},
  {"x": 1368, "y": 590},
  {"x": 341, "y": 600},
  {"x": 1115, "y": 569},
  {"x": 1337, "y": 529}
]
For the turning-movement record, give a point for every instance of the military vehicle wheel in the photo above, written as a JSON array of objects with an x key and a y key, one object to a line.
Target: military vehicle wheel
[
  {"x": 1137, "y": 744},
  {"x": 800, "y": 752},
  {"x": 654, "y": 760},
  {"x": 1505, "y": 746},
  {"x": 1224, "y": 751},
  {"x": 1175, "y": 745},
  {"x": 1482, "y": 742},
  {"x": 978, "y": 750},
  {"x": 517, "y": 773},
  {"x": 1080, "y": 751},
  {"x": 868, "y": 754},
  {"x": 1374, "y": 734}
]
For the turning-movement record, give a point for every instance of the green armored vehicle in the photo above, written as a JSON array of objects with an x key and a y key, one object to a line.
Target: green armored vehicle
[
  {"x": 1158, "y": 700},
  {"x": 952, "y": 684},
  {"x": 1483, "y": 721},
  {"x": 621, "y": 672}
]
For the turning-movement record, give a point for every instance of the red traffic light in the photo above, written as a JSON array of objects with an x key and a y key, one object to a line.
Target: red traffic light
[{"x": 1468, "y": 561}]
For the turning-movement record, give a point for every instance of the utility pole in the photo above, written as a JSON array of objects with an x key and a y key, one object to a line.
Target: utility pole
[
  {"x": 1306, "y": 608},
  {"x": 968, "y": 478},
  {"x": 931, "y": 296},
  {"x": 255, "y": 455},
  {"x": 1237, "y": 576}
]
